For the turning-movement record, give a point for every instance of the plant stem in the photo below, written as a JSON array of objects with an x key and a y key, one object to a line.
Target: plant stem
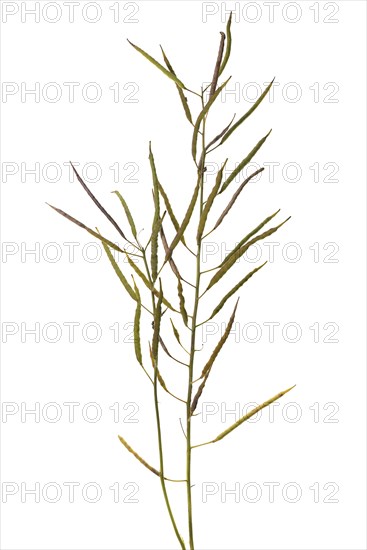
[
  {"x": 192, "y": 352},
  {"x": 159, "y": 430},
  {"x": 161, "y": 466},
  {"x": 188, "y": 402}
]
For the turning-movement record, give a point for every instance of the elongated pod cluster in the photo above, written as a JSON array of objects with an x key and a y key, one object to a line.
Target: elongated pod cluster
[{"x": 149, "y": 263}]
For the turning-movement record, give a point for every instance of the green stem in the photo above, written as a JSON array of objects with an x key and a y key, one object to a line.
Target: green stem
[
  {"x": 188, "y": 402},
  {"x": 192, "y": 354},
  {"x": 159, "y": 430},
  {"x": 161, "y": 466}
]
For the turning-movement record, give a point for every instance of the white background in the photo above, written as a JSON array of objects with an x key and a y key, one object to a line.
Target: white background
[{"x": 325, "y": 124}]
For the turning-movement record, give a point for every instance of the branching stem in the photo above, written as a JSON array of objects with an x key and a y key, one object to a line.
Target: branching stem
[
  {"x": 201, "y": 171},
  {"x": 159, "y": 430}
]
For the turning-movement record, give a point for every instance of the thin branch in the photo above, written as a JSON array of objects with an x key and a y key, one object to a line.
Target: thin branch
[{"x": 183, "y": 431}]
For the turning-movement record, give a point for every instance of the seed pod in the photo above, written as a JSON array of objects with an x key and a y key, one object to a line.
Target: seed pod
[
  {"x": 167, "y": 203},
  {"x": 157, "y": 324},
  {"x": 244, "y": 162},
  {"x": 209, "y": 202},
  {"x": 229, "y": 45},
  {"x": 166, "y": 249},
  {"x": 170, "y": 75},
  {"x": 156, "y": 219},
  {"x": 147, "y": 282},
  {"x": 182, "y": 302},
  {"x": 249, "y": 235},
  {"x": 138, "y": 457},
  {"x": 232, "y": 258},
  {"x": 217, "y": 65},
  {"x": 185, "y": 222},
  {"x": 144, "y": 462},
  {"x": 234, "y": 198},
  {"x": 179, "y": 89},
  {"x": 165, "y": 349},
  {"x": 250, "y": 414},
  {"x": 220, "y": 344},
  {"x": 119, "y": 273},
  {"x": 80, "y": 224},
  {"x": 248, "y": 113},
  {"x": 137, "y": 344},
  {"x": 97, "y": 203},
  {"x": 234, "y": 290},
  {"x": 128, "y": 213},
  {"x": 177, "y": 336},
  {"x": 202, "y": 115}
]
